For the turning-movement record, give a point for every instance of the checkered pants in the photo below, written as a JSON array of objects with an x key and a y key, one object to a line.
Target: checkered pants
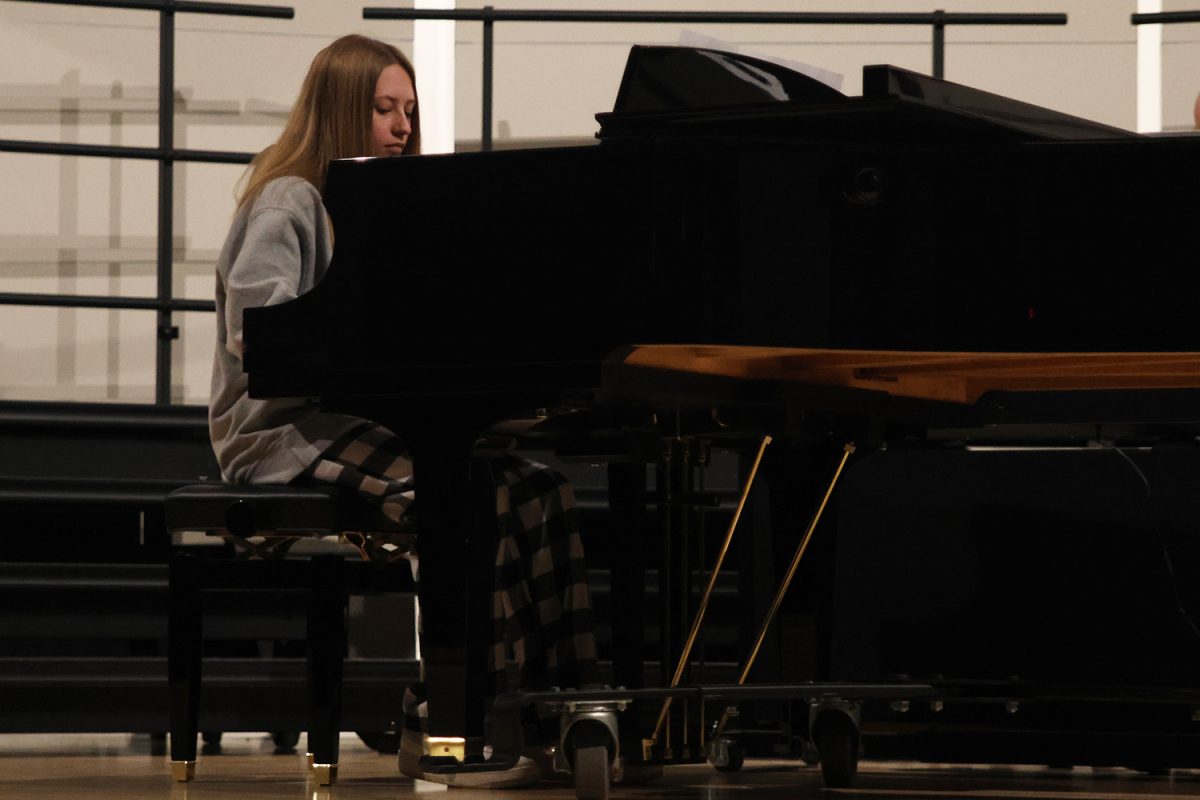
[{"x": 541, "y": 608}]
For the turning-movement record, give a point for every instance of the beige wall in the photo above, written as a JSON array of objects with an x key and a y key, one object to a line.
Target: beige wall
[{"x": 84, "y": 226}]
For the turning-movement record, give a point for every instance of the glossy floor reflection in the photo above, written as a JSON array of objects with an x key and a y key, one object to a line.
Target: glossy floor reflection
[{"x": 121, "y": 767}]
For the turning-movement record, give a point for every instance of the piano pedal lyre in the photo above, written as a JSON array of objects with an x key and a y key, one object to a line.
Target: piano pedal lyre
[
  {"x": 648, "y": 744},
  {"x": 847, "y": 451}
]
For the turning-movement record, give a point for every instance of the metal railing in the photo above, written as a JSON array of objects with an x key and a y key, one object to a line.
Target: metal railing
[
  {"x": 937, "y": 20},
  {"x": 166, "y": 155},
  {"x": 1153, "y": 108},
  {"x": 1164, "y": 17}
]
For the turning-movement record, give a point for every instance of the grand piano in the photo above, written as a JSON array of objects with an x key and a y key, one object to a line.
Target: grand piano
[{"x": 728, "y": 201}]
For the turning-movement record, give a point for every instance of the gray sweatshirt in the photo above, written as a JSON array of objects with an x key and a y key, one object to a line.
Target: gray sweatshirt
[{"x": 277, "y": 249}]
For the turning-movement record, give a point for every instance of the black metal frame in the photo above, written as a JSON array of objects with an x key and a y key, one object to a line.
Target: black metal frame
[
  {"x": 489, "y": 16},
  {"x": 166, "y": 155}
]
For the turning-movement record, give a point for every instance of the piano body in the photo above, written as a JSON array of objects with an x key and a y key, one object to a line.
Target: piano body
[{"x": 728, "y": 201}]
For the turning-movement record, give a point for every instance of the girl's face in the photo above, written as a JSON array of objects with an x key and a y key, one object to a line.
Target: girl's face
[{"x": 391, "y": 121}]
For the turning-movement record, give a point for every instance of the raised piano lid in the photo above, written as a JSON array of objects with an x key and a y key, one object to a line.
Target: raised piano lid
[
  {"x": 663, "y": 78},
  {"x": 697, "y": 91}
]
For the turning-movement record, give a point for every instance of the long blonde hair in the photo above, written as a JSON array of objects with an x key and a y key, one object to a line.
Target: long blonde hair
[{"x": 332, "y": 116}]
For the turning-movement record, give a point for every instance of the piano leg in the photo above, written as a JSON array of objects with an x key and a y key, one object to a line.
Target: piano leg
[
  {"x": 183, "y": 666},
  {"x": 456, "y": 521},
  {"x": 326, "y": 651},
  {"x": 627, "y": 509},
  {"x": 677, "y": 495}
]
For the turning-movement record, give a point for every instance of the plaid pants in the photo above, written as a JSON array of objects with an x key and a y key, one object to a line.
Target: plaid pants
[{"x": 541, "y": 607}]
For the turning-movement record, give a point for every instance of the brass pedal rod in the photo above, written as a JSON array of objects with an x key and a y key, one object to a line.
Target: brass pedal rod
[
  {"x": 847, "y": 450},
  {"x": 712, "y": 582}
]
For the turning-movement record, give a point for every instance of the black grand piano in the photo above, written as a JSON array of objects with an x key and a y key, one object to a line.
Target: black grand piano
[{"x": 728, "y": 201}]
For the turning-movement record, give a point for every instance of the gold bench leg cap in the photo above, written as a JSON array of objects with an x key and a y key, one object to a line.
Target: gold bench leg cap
[
  {"x": 183, "y": 771},
  {"x": 324, "y": 774}
]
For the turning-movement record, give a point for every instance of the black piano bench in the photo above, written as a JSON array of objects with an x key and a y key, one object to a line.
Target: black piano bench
[{"x": 257, "y": 519}]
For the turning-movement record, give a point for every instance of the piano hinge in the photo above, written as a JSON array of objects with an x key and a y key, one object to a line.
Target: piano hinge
[{"x": 168, "y": 331}]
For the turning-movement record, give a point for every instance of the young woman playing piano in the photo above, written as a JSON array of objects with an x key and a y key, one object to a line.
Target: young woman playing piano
[{"x": 359, "y": 99}]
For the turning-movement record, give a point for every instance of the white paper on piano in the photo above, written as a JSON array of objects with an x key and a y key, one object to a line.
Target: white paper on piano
[{"x": 828, "y": 77}]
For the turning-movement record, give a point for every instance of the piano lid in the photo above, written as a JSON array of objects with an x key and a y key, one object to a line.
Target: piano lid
[
  {"x": 883, "y": 81},
  {"x": 665, "y": 78},
  {"x": 698, "y": 91}
]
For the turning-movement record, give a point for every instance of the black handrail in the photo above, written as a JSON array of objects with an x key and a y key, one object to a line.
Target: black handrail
[
  {"x": 1165, "y": 17},
  {"x": 166, "y": 155},
  {"x": 489, "y": 15},
  {"x": 104, "y": 301},
  {"x": 183, "y": 6},
  {"x": 761, "y": 17},
  {"x": 122, "y": 151}
]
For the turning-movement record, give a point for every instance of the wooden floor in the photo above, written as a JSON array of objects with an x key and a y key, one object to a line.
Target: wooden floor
[{"x": 121, "y": 767}]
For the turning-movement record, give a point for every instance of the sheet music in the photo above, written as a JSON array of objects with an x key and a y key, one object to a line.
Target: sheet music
[{"x": 830, "y": 78}]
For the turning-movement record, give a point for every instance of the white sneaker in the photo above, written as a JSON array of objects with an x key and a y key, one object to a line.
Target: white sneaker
[
  {"x": 411, "y": 740},
  {"x": 411, "y": 750},
  {"x": 523, "y": 772}
]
